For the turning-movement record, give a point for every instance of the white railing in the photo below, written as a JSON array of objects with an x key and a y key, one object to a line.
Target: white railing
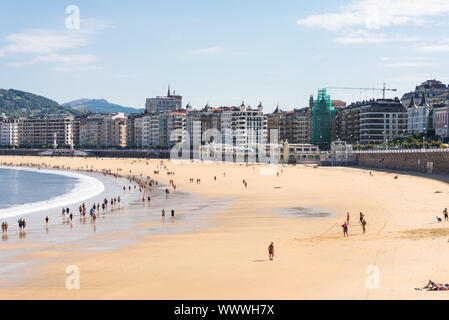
[{"x": 433, "y": 150}]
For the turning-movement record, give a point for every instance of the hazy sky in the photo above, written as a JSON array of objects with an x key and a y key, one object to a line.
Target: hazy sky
[{"x": 222, "y": 52}]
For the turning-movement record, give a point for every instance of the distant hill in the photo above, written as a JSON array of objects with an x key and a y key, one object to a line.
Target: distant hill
[
  {"x": 15, "y": 103},
  {"x": 99, "y": 106}
]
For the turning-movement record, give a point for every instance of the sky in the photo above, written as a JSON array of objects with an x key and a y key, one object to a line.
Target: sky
[{"x": 222, "y": 52}]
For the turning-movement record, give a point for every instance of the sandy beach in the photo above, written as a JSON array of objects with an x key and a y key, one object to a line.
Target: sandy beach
[{"x": 228, "y": 259}]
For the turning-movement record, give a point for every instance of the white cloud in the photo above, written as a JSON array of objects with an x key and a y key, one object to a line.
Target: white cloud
[
  {"x": 410, "y": 64},
  {"x": 366, "y": 37},
  {"x": 407, "y": 62},
  {"x": 74, "y": 68},
  {"x": 128, "y": 75},
  {"x": 48, "y": 46},
  {"x": 433, "y": 48},
  {"x": 375, "y": 14},
  {"x": 210, "y": 50}
]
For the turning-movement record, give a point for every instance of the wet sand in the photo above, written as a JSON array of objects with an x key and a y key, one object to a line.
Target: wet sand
[{"x": 228, "y": 259}]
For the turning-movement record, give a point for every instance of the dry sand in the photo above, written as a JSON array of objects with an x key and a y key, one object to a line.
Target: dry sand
[{"x": 229, "y": 260}]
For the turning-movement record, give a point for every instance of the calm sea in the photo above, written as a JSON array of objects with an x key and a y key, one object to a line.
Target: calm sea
[{"x": 19, "y": 187}]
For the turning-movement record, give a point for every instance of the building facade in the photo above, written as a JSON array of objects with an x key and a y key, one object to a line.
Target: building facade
[
  {"x": 430, "y": 89},
  {"x": 171, "y": 102},
  {"x": 49, "y": 131},
  {"x": 9, "y": 132},
  {"x": 103, "y": 130},
  {"x": 373, "y": 122},
  {"x": 441, "y": 122},
  {"x": 419, "y": 116},
  {"x": 243, "y": 126}
]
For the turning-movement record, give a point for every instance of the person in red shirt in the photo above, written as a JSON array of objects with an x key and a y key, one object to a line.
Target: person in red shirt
[{"x": 345, "y": 230}]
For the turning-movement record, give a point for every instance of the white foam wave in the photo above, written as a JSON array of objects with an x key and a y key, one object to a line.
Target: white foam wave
[{"x": 86, "y": 187}]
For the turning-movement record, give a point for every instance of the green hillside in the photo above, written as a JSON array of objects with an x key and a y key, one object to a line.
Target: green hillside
[{"x": 15, "y": 103}]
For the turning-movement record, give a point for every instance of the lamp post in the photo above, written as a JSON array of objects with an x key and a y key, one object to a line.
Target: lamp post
[{"x": 424, "y": 139}]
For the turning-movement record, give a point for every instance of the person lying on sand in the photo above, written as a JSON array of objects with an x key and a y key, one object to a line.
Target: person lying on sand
[{"x": 433, "y": 286}]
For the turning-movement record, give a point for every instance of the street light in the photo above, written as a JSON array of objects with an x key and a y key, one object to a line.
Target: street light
[{"x": 424, "y": 139}]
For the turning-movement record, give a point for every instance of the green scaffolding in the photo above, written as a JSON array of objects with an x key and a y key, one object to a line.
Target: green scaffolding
[{"x": 322, "y": 119}]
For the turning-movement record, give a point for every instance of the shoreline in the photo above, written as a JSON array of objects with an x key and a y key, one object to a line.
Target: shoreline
[
  {"x": 86, "y": 188},
  {"x": 228, "y": 260}
]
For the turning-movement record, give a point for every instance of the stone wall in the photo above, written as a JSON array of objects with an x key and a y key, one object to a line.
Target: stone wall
[{"x": 432, "y": 161}]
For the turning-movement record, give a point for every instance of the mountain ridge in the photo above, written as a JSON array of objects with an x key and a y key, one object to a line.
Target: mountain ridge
[{"x": 99, "y": 106}]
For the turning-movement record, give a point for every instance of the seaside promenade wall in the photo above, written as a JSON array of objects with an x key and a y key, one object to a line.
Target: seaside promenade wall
[
  {"x": 148, "y": 154},
  {"x": 428, "y": 161}
]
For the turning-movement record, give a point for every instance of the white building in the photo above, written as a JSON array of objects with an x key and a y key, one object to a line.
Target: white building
[
  {"x": 142, "y": 132},
  {"x": 419, "y": 117},
  {"x": 243, "y": 126},
  {"x": 9, "y": 132}
]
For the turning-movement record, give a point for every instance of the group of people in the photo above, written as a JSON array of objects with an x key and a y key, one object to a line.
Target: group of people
[
  {"x": 192, "y": 180},
  {"x": 22, "y": 224},
  {"x": 172, "y": 212},
  {"x": 4, "y": 227},
  {"x": 345, "y": 225}
]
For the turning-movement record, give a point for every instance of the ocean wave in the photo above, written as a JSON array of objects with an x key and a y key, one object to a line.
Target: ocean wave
[{"x": 86, "y": 187}]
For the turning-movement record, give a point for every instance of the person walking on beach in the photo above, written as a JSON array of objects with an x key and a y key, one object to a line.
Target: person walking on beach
[
  {"x": 46, "y": 221},
  {"x": 271, "y": 251},
  {"x": 364, "y": 226},
  {"x": 446, "y": 217},
  {"x": 362, "y": 216},
  {"x": 347, "y": 218},
  {"x": 345, "y": 230}
]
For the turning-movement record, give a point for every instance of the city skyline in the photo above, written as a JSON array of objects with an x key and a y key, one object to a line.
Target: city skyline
[{"x": 222, "y": 53}]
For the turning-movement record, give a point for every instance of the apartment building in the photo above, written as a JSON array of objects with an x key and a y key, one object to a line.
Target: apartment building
[
  {"x": 46, "y": 131},
  {"x": 373, "y": 122},
  {"x": 171, "y": 102},
  {"x": 105, "y": 130},
  {"x": 9, "y": 131},
  {"x": 243, "y": 126}
]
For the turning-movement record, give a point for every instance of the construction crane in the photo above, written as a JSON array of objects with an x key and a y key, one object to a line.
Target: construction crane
[{"x": 384, "y": 89}]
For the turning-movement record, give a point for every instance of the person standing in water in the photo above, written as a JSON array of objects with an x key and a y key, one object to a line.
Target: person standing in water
[
  {"x": 271, "y": 251},
  {"x": 173, "y": 215}
]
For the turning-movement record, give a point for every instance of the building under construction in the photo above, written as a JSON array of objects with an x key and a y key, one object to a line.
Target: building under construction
[{"x": 323, "y": 116}]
